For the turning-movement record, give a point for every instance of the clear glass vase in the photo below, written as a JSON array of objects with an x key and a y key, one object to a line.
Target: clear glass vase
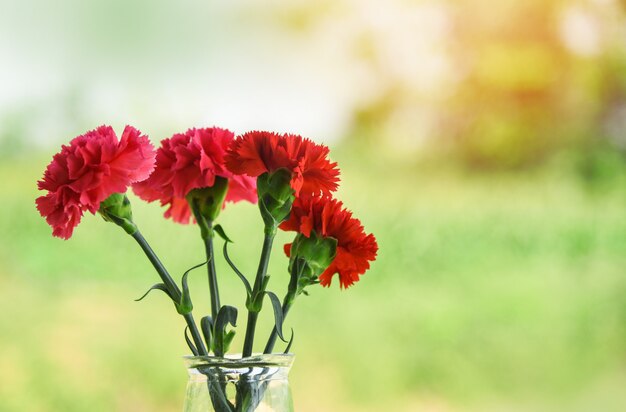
[{"x": 258, "y": 383}]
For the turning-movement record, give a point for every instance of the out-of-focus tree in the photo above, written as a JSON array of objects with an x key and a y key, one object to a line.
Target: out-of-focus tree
[
  {"x": 535, "y": 77},
  {"x": 516, "y": 82},
  {"x": 512, "y": 71}
]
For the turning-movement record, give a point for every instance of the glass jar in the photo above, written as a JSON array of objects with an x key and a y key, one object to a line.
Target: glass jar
[{"x": 232, "y": 384}]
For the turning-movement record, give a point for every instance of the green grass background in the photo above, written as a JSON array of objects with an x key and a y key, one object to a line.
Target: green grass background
[{"x": 490, "y": 293}]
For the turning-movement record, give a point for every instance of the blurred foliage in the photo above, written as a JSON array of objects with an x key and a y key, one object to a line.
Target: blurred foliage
[
  {"x": 493, "y": 86},
  {"x": 524, "y": 95},
  {"x": 521, "y": 90}
]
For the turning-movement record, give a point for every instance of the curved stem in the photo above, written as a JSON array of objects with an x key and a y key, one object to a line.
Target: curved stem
[
  {"x": 257, "y": 293},
  {"x": 171, "y": 286}
]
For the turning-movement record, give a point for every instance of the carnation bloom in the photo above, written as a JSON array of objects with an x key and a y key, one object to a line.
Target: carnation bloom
[
  {"x": 255, "y": 153},
  {"x": 188, "y": 161},
  {"x": 87, "y": 171},
  {"x": 328, "y": 218}
]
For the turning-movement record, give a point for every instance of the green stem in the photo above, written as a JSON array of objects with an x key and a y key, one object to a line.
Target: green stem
[
  {"x": 249, "y": 340},
  {"x": 257, "y": 293},
  {"x": 172, "y": 287},
  {"x": 213, "y": 289},
  {"x": 206, "y": 232}
]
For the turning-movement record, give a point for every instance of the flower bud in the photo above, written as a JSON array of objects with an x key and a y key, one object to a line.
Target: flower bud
[{"x": 116, "y": 208}]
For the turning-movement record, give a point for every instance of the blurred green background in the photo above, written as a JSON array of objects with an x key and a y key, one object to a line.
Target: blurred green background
[{"x": 484, "y": 143}]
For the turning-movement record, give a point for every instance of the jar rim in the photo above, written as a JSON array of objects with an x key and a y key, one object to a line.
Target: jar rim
[{"x": 236, "y": 361}]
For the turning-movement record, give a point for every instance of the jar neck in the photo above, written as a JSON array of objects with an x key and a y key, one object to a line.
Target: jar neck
[{"x": 234, "y": 368}]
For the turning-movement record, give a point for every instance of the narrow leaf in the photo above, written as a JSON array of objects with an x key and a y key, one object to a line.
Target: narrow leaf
[
  {"x": 185, "y": 305},
  {"x": 159, "y": 286},
  {"x": 237, "y": 271},
  {"x": 220, "y": 231},
  {"x": 278, "y": 314},
  {"x": 228, "y": 338},
  {"x": 290, "y": 342},
  {"x": 196, "y": 266},
  {"x": 189, "y": 343},
  {"x": 226, "y": 315},
  {"x": 206, "y": 324}
]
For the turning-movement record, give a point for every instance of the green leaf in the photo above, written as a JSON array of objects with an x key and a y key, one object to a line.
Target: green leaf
[
  {"x": 159, "y": 286},
  {"x": 185, "y": 305},
  {"x": 228, "y": 338},
  {"x": 290, "y": 342},
  {"x": 237, "y": 271},
  {"x": 206, "y": 324},
  {"x": 196, "y": 266},
  {"x": 220, "y": 231},
  {"x": 189, "y": 343},
  {"x": 227, "y": 315},
  {"x": 278, "y": 314}
]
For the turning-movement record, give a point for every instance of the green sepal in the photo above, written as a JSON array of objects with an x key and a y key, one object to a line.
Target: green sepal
[
  {"x": 206, "y": 202},
  {"x": 278, "y": 314},
  {"x": 277, "y": 184},
  {"x": 116, "y": 209},
  {"x": 290, "y": 342},
  {"x": 206, "y": 325},
  {"x": 317, "y": 252},
  {"x": 227, "y": 315},
  {"x": 237, "y": 272},
  {"x": 189, "y": 343},
  {"x": 309, "y": 258},
  {"x": 275, "y": 197},
  {"x": 159, "y": 286}
]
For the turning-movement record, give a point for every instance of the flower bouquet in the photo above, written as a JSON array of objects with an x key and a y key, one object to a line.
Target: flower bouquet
[{"x": 195, "y": 174}]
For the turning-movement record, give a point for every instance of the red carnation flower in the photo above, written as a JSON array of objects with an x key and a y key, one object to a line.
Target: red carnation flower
[
  {"x": 255, "y": 153},
  {"x": 188, "y": 161},
  {"x": 328, "y": 218},
  {"x": 87, "y": 171}
]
